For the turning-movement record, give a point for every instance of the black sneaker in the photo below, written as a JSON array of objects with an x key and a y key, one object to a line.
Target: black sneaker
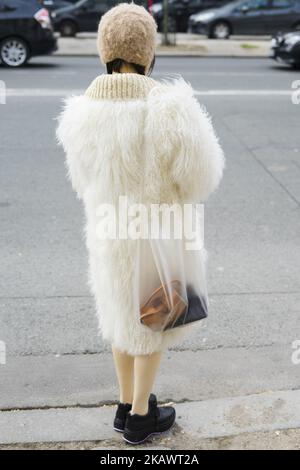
[
  {"x": 121, "y": 414},
  {"x": 158, "y": 420},
  {"x": 122, "y": 411}
]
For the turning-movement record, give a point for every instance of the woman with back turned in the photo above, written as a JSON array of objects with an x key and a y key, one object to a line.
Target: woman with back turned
[{"x": 130, "y": 135}]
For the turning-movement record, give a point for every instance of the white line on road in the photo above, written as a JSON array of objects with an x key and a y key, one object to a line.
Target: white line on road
[
  {"x": 44, "y": 93},
  {"x": 243, "y": 92}
]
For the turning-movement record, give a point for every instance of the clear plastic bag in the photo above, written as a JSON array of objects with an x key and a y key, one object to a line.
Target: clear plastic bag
[{"x": 172, "y": 288}]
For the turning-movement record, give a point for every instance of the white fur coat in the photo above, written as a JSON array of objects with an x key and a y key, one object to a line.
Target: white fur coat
[{"x": 109, "y": 145}]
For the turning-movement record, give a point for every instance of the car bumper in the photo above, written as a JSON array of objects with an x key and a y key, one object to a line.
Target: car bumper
[
  {"x": 282, "y": 53},
  {"x": 44, "y": 46},
  {"x": 55, "y": 22},
  {"x": 198, "y": 28}
]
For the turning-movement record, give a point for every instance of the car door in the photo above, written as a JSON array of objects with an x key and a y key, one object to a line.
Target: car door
[
  {"x": 4, "y": 26},
  {"x": 179, "y": 9},
  {"x": 89, "y": 13},
  {"x": 195, "y": 6},
  {"x": 185, "y": 8},
  {"x": 249, "y": 17},
  {"x": 8, "y": 20},
  {"x": 280, "y": 16},
  {"x": 207, "y": 4}
]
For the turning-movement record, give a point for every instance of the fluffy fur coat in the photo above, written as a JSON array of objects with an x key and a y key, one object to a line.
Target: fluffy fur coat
[{"x": 113, "y": 138}]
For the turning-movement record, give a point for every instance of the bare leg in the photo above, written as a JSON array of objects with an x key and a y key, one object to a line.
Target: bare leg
[
  {"x": 124, "y": 365},
  {"x": 145, "y": 369}
]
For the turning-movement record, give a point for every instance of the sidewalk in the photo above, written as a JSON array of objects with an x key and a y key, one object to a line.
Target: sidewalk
[
  {"x": 224, "y": 400},
  {"x": 186, "y": 44},
  {"x": 261, "y": 421}
]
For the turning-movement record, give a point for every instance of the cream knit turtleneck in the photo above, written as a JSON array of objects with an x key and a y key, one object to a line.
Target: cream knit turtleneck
[{"x": 120, "y": 86}]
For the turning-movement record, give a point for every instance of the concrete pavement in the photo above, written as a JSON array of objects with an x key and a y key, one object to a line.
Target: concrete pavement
[
  {"x": 89, "y": 379},
  {"x": 196, "y": 421}
]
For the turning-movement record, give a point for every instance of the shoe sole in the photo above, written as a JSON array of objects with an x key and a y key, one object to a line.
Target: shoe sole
[
  {"x": 160, "y": 433},
  {"x": 118, "y": 430}
]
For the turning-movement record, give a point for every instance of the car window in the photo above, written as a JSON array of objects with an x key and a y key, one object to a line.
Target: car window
[
  {"x": 98, "y": 4},
  {"x": 255, "y": 4},
  {"x": 8, "y": 5},
  {"x": 14, "y": 3},
  {"x": 195, "y": 3},
  {"x": 282, "y": 3}
]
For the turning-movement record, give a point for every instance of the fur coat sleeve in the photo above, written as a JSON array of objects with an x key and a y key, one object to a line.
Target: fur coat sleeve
[
  {"x": 74, "y": 134},
  {"x": 181, "y": 131}
]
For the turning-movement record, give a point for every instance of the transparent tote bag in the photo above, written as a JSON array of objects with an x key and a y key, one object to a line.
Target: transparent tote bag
[{"x": 171, "y": 283}]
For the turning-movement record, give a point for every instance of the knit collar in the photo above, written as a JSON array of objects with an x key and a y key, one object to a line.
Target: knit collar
[{"x": 120, "y": 86}]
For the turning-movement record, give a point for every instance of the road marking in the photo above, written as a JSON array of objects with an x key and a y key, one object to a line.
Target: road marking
[
  {"x": 243, "y": 92},
  {"x": 41, "y": 92},
  {"x": 227, "y": 74},
  {"x": 44, "y": 93}
]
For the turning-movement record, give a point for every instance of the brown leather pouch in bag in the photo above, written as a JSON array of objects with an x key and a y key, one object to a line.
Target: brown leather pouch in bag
[{"x": 164, "y": 307}]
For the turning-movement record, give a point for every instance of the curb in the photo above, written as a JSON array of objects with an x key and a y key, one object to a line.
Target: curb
[
  {"x": 176, "y": 55},
  {"x": 185, "y": 47},
  {"x": 208, "y": 419}
]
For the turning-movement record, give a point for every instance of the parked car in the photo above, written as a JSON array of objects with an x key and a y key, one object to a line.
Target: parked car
[
  {"x": 286, "y": 48},
  {"x": 82, "y": 16},
  {"x": 179, "y": 12},
  {"x": 247, "y": 17},
  {"x": 25, "y": 31},
  {"x": 52, "y": 5}
]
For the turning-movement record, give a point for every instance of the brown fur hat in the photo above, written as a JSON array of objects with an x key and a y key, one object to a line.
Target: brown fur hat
[{"x": 127, "y": 31}]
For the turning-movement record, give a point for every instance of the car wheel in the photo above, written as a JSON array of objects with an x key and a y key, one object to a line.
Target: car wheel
[
  {"x": 220, "y": 30},
  {"x": 14, "y": 52},
  {"x": 68, "y": 29}
]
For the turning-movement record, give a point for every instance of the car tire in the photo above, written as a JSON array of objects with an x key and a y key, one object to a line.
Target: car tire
[
  {"x": 220, "y": 30},
  {"x": 14, "y": 52},
  {"x": 67, "y": 29}
]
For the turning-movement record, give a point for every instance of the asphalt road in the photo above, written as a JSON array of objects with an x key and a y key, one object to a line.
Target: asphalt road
[
  {"x": 252, "y": 222},
  {"x": 73, "y": 73}
]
